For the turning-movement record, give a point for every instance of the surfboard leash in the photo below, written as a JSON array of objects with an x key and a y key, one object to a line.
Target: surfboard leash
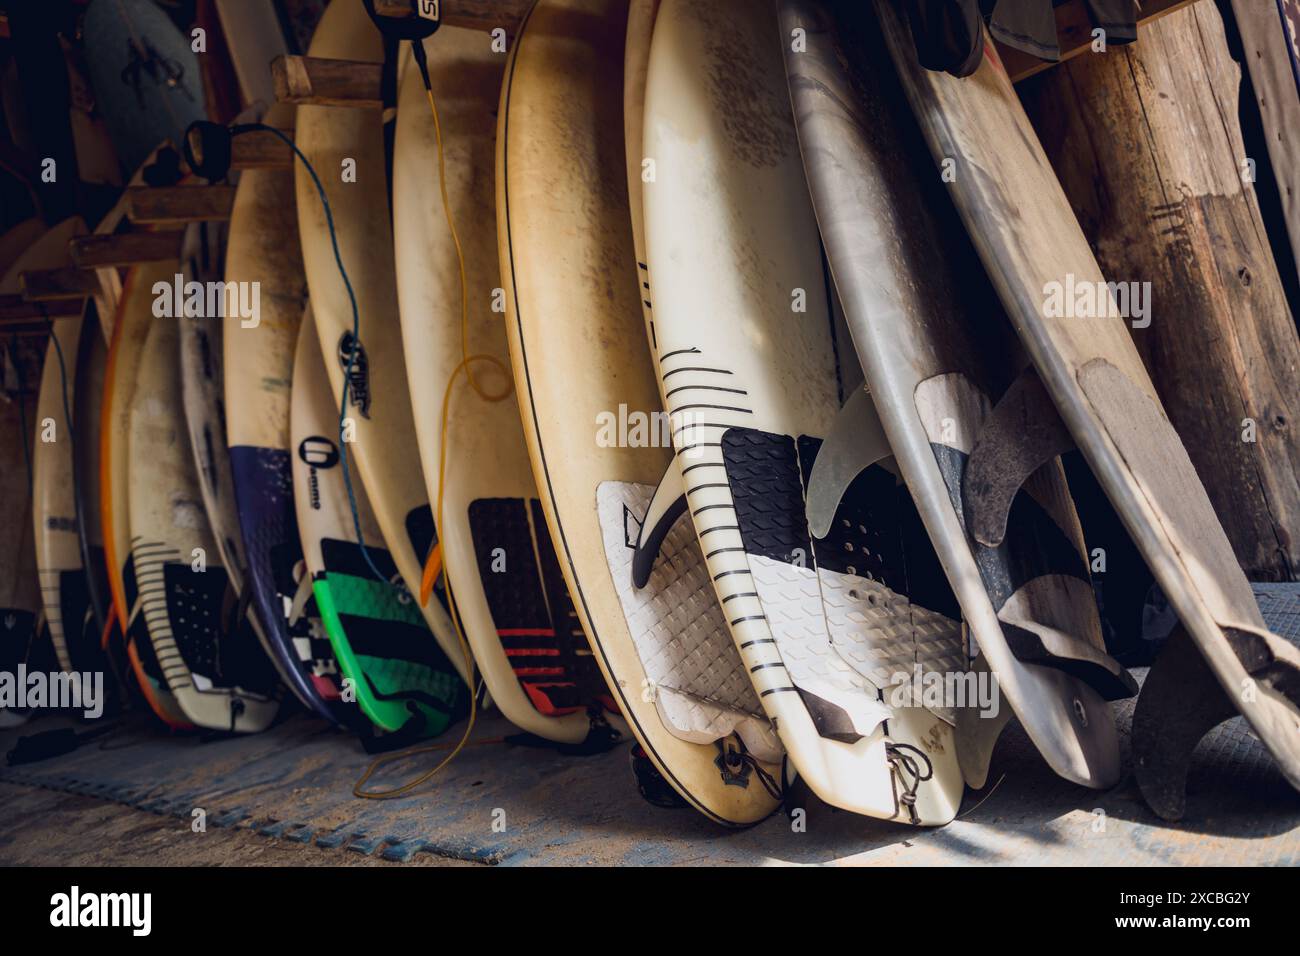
[{"x": 215, "y": 141}]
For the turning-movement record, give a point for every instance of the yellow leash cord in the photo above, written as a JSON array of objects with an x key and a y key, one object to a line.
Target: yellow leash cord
[{"x": 434, "y": 565}]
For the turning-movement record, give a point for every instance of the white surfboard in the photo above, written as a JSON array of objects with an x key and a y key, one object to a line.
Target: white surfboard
[
  {"x": 213, "y": 667},
  {"x": 576, "y": 337},
  {"x": 754, "y": 370},
  {"x": 383, "y": 647},
  {"x": 201, "y": 358},
  {"x": 264, "y": 252},
  {"x": 384, "y": 453},
  {"x": 53, "y": 506},
  {"x": 126, "y": 350},
  {"x": 64, "y": 594},
  {"x": 487, "y": 522}
]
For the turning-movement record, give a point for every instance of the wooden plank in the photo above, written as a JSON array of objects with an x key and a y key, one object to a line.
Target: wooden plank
[
  {"x": 485, "y": 15},
  {"x": 260, "y": 149},
  {"x": 253, "y": 149},
  {"x": 321, "y": 82},
  {"x": 18, "y": 312},
  {"x": 177, "y": 205},
  {"x": 125, "y": 249},
  {"x": 52, "y": 285},
  {"x": 1146, "y": 142},
  {"x": 1074, "y": 34}
]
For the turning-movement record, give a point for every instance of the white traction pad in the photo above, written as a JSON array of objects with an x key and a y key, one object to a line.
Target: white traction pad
[{"x": 702, "y": 691}]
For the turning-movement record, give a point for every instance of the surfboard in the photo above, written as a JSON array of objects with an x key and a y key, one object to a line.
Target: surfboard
[
  {"x": 130, "y": 326},
  {"x": 255, "y": 39},
  {"x": 20, "y": 593},
  {"x": 383, "y": 646},
  {"x": 263, "y": 253},
  {"x": 144, "y": 75},
  {"x": 576, "y": 337},
  {"x": 755, "y": 369},
  {"x": 384, "y": 452},
  {"x": 200, "y": 357},
  {"x": 16, "y": 240},
  {"x": 915, "y": 295},
  {"x": 65, "y": 595},
  {"x": 1025, "y": 233},
  {"x": 687, "y": 569},
  {"x": 495, "y": 548},
  {"x": 1270, "y": 35},
  {"x": 211, "y": 664},
  {"x": 49, "y": 446},
  {"x": 91, "y": 362}
]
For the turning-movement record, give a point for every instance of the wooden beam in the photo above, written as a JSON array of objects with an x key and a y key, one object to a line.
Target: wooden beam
[
  {"x": 1147, "y": 146},
  {"x": 253, "y": 149},
  {"x": 1074, "y": 34},
  {"x": 125, "y": 249},
  {"x": 53, "y": 285},
  {"x": 177, "y": 205},
  {"x": 15, "y": 310},
  {"x": 317, "y": 82},
  {"x": 259, "y": 149},
  {"x": 485, "y": 15}
]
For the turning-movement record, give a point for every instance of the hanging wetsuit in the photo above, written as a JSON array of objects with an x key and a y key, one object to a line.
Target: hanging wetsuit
[
  {"x": 1027, "y": 25},
  {"x": 949, "y": 34}
]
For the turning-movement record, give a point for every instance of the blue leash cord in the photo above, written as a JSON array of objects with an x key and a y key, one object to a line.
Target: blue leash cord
[{"x": 356, "y": 334}]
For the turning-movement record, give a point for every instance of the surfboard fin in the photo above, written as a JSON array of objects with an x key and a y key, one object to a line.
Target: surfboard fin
[
  {"x": 855, "y": 443},
  {"x": 1021, "y": 434},
  {"x": 1048, "y": 647},
  {"x": 1182, "y": 700},
  {"x": 977, "y": 734},
  {"x": 666, "y": 506}
]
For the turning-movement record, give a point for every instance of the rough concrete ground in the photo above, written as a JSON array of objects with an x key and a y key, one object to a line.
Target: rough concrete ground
[{"x": 48, "y": 828}]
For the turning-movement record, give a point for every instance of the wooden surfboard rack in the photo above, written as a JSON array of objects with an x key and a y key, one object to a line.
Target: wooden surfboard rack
[
  {"x": 56, "y": 285},
  {"x": 17, "y": 313},
  {"x": 177, "y": 205},
  {"x": 125, "y": 249},
  {"x": 314, "y": 81},
  {"x": 485, "y": 15},
  {"x": 310, "y": 80},
  {"x": 254, "y": 149}
]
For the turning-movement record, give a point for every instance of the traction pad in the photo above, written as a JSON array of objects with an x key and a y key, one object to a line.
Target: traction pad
[
  {"x": 702, "y": 692},
  {"x": 838, "y": 607},
  {"x": 531, "y": 608}
]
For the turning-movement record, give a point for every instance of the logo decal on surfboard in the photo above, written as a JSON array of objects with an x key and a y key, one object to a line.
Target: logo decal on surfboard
[{"x": 354, "y": 353}]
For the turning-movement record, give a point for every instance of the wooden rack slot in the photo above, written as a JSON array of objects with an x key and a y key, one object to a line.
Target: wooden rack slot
[
  {"x": 484, "y": 15},
  {"x": 177, "y": 205},
  {"x": 53, "y": 285},
  {"x": 125, "y": 249},
  {"x": 317, "y": 82},
  {"x": 17, "y": 313},
  {"x": 253, "y": 149}
]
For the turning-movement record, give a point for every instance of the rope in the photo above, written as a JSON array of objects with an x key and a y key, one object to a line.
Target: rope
[{"x": 901, "y": 765}]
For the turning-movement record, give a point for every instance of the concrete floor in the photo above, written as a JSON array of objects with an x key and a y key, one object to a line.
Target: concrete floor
[{"x": 285, "y": 797}]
